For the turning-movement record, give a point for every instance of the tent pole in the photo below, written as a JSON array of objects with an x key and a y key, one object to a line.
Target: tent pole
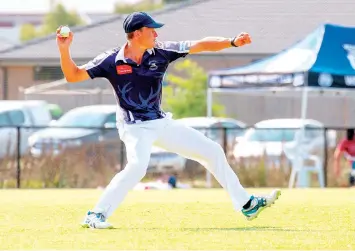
[
  {"x": 301, "y": 180},
  {"x": 209, "y": 102},
  {"x": 304, "y": 98},
  {"x": 302, "y": 177},
  {"x": 209, "y": 114}
]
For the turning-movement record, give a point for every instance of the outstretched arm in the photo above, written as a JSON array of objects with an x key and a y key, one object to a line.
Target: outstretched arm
[{"x": 219, "y": 43}]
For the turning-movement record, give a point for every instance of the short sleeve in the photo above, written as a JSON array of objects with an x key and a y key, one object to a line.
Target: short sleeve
[
  {"x": 174, "y": 49},
  {"x": 99, "y": 66},
  {"x": 342, "y": 145}
]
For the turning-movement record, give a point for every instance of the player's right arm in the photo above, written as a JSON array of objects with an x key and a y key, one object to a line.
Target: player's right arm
[{"x": 71, "y": 71}]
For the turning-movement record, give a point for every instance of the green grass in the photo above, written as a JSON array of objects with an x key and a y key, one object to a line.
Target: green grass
[{"x": 178, "y": 220}]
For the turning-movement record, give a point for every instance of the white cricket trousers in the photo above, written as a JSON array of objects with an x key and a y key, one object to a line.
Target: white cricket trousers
[{"x": 174, "y": 137}]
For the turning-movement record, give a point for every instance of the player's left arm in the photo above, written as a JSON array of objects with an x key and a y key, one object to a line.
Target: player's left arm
[
  {"x": 340, "y": 149},
  {"x": 218, "y": 43}
]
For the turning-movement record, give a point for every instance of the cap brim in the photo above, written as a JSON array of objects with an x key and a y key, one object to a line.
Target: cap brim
[{"x": 154, "y": 25}]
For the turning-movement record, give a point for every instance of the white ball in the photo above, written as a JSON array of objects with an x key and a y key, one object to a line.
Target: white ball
[{"x": 64, "y": 31}]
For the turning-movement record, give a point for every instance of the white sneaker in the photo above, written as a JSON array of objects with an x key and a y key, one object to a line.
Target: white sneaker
[
  {"x": 259, "y": 203},
  {"x": 96, "y": 220}
]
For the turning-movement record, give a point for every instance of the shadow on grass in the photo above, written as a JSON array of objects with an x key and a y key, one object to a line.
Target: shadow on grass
[
  {"x": 237, "y": 229},
  {"x": 242, "y": 229}
]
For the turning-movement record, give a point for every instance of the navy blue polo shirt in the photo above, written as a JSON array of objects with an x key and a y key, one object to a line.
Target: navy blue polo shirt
[{"x": 138, "y": 87}]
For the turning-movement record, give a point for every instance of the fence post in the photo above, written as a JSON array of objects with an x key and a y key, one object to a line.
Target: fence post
[
  {"x": 225, "y": 140},
  {"x": 18, "y": 174},
  {"x": 122, "y": 157},
  {"x": 325, "y": 167}
]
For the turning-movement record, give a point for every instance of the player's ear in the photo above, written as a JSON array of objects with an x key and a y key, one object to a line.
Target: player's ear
[{"x": 138, "y": 33}]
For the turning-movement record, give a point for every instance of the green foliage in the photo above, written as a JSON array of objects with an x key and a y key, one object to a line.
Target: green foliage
[
  {"x": 187, "y": 96},
  {"x": 27, "y": 32},
  {"x": 145, "y": 5},
  {"x": 174, "y": 1},
  {"x": 59, "y": 16}
]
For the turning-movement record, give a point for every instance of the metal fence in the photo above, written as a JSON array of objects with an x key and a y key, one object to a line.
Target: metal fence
[{"x": 89, "y": 157}]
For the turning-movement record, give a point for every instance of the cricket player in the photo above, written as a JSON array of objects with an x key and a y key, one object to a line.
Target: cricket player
[
  {"x": 346, "y": 147},
  {"x": 135, "y": 71}
]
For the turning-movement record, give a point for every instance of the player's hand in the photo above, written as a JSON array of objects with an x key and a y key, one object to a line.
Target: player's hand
[
  {"x": 64, "y": 42},
  {"x": 242, "y": 39}
]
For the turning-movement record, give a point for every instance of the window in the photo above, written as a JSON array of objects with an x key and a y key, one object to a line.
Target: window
[
  {"x": 232, "y": 129},
  {"x": 271, "y": 135},
  {"x": 110, "y": 121},
  {"x": 17, "y": 117},
  {"x": 48, "y": 73},
  {"x": 111, "y": 118},
  {"x": 4, "y": 119},
  {"x": 81, "y": 119},
  {"x": 312, "y": 131}
]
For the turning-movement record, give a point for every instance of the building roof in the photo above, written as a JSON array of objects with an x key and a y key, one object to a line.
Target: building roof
[
  {"x": 37, "y": 18},
  {"x": 5, "y": 43},
  {"x": 273, "y": 24}
]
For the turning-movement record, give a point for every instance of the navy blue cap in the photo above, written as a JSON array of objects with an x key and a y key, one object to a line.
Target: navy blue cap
[{"x": 137, "y": 20}]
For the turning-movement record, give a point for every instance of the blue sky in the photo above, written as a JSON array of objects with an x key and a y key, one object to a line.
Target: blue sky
[{"x": 28, "y": 6}]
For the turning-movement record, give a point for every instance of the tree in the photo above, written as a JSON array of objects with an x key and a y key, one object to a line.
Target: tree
[
  {"x": 145, "y": 5},
  {"x": 58, "y": 16},
  {"x": 27, "y": 32},
  {"x": 186, "y": 96},
  {"x": 174, "y": 1}
]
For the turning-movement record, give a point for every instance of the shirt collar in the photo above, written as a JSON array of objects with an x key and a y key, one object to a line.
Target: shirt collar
[{"x": 120, "y": 54}]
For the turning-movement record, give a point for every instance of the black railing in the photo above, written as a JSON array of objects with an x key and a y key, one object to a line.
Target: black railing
[{"x": 225, "y": 136}]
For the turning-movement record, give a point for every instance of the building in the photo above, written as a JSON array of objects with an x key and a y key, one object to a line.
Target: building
[{"x": 273, "y": 25}]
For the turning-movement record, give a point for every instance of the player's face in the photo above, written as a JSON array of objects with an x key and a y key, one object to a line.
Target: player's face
[{"x": 147, "y": 37}]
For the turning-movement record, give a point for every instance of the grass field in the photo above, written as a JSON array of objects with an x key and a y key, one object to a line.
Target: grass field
[{"x": 178, "y": 220}]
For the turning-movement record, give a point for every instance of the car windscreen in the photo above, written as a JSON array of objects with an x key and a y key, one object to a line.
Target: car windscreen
[
  {"x": 270, "y": 135},
  {"x": 4, "y": 119},
  {"x": 81, "y": 119}
]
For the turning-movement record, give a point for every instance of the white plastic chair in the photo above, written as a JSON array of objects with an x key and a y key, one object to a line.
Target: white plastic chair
[{"x": 298, "y": 154}]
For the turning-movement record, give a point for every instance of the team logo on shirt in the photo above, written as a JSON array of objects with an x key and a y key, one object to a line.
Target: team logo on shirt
[
  {"x": 123, "y": 69},
  {"x": 153, "y": 65}
]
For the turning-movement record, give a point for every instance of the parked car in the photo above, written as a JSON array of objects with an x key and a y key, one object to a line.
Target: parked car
[
  {"x": 77, "y": 127},
  {"x": 271, "y": 136},
  {"x": 162, "y": 161},
  {"x": 212, "y": 127},
  {"x": 29, "y": 115}
]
